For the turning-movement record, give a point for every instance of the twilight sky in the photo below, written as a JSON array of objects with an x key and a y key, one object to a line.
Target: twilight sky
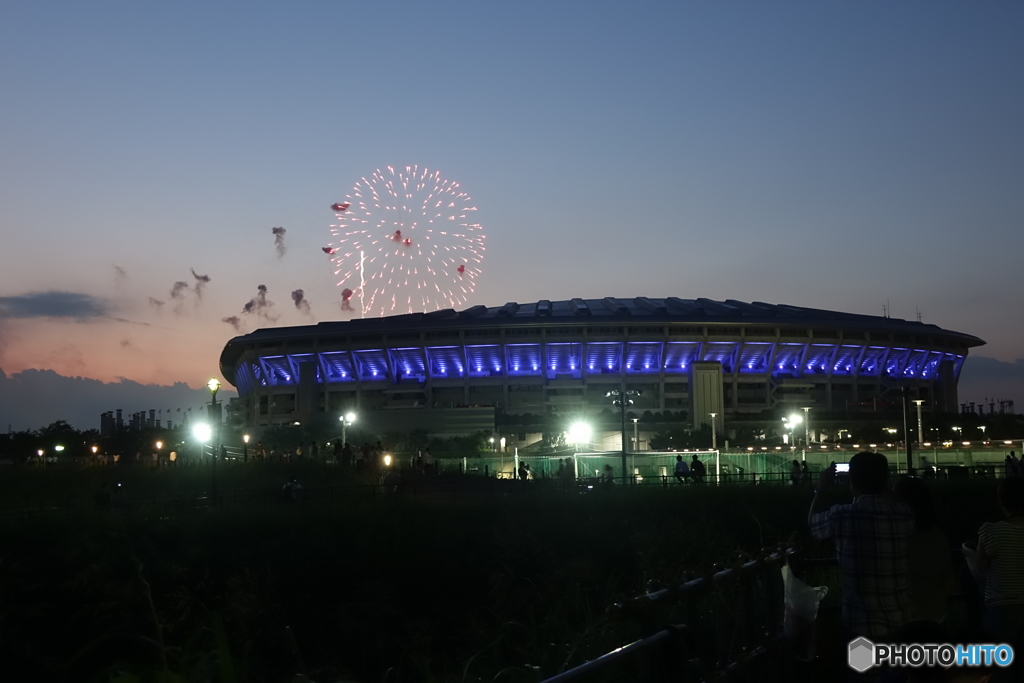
[{"x": 833, "y": 155}]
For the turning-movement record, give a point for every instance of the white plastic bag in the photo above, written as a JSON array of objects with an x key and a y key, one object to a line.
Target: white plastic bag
[
  {"x": 801, "y": 603},
  {"x": 971, "y": 558}
]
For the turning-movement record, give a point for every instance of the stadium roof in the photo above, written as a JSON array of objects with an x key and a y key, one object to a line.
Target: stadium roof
[{"x": 640, "y": 310}]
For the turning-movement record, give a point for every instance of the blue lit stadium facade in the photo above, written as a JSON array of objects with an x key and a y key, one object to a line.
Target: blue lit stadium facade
[{"x": 693, "y": 355}]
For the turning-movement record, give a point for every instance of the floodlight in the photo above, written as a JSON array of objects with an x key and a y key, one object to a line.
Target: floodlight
[
  {"x": 202, "y": 432},
  {"x": 579, "y": 432}
]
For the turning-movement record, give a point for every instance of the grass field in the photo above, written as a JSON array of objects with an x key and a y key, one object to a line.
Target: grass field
[{"x": 429, "y": 590}]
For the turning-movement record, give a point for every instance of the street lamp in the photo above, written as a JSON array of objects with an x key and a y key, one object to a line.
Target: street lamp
[
  {"x": 714, "y": 435},
  {"x": 790, "y": 423},
  {"x": 502, "y": 444},
  {"x": 621, "y": 398},
  {"x": 245, "y": 448},
  {"x": 346, "y": 420},
  {"x": 94, "y": 449},
  {"x": 492, "y": 444},
  {"x": 41, "y": 458},
  {"x": 579, "y": 433},
  {"x": 58, "y": 448},
  {"x": 214, "y": 386}
]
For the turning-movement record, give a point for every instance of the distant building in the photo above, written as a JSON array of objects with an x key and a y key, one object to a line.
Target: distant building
[{"x": 449, "y": 372}]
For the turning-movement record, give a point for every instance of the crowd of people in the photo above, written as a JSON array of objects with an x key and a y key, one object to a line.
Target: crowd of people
[{"x": 896, "y": 566}]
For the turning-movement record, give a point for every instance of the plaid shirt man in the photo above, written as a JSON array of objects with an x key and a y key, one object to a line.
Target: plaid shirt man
[{"x": 871, "y": 536}]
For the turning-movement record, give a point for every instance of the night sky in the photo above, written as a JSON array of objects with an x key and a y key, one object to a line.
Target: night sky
[{"x": 830, "y": 155}]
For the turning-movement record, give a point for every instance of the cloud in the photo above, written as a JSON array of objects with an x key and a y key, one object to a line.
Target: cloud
[
  {"x": 34, "y": 398},
  {"x": 54, "y": 305}
]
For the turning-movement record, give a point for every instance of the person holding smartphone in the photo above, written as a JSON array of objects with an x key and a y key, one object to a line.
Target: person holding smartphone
[{"x": 872, "y": 537}]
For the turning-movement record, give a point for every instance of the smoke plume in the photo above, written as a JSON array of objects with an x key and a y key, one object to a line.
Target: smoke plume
[
  {"x": 179, "y": 289},
  {"x": 260, "y": 305},
  {"x": 234, "y": 321},
  {"x": 279, "y": 240},
  {"x": 301, "y": 303},
  {"x": 201, "y": 281}
]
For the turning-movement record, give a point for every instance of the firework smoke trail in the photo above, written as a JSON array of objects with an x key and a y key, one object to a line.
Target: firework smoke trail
[
  {"x": 260, "y": 305},
  {"x": 201, "y": 282},
  {"x": 301, "y": 303},
  {"x": 279, "y": 241},
  {"x": 178, "y": 290},
  {"x": 234, "y": 321},
  {"x": 415, "y": 229},
  {"x": 156, "y": 303}
]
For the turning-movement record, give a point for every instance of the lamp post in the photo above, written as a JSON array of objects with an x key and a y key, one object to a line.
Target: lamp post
[
  {"x": 204, "y": 435},
  {"x": 714, "y": 434},
  {"x": 636, "y": 435},
  {"x": 346, "y": 420},
  {"x": 245, "y": 448},
  {"x": 41, "y": 458},
  {"x": 920, "y": 427},
  {"x": 621, "y": 398},
  {"x": 807, "y": 426},
  {"x": 214, "y": 386}
]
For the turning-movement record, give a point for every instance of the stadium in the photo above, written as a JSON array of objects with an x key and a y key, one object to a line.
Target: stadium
[{"x": 455, "y": 372}]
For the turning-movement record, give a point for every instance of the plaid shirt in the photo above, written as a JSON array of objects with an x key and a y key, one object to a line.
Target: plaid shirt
[{"x": 872, "y": 537}]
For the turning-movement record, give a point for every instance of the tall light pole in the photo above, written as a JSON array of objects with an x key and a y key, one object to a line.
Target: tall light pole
[
  {"x": 807, "y": 426},
  {"x": 920, "y": 427},
  {"x": 204, "y": 435},
  {"x": 714, "y": 435},
  {"x": 346, "y": 420},
  {"x": 214, "y": 386},
  {"x": 245, "y": 448},
  {"x": 636, "y": 434},
  {"x": 621, "y": 399}
]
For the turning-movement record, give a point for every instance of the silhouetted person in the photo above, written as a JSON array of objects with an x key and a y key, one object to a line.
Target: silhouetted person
[
  {"x": 872, "y": 539},
  {"x": 682, "y": 471},
  {"x": 1001, "y": 553},
  {"x": 930, "y": 567},
  {"x": 697, "y": 471},
  {"x": 795, "y": 473}
]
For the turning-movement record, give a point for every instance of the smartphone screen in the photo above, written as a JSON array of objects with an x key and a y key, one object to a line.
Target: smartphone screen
[{"x": 842, "y": 468}]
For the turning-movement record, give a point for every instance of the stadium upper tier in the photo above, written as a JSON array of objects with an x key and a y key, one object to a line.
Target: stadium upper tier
[{"x": 582, "y": 338}]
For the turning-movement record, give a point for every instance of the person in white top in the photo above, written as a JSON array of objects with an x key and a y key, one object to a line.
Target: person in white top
[{"x": 1001, "y": 553}]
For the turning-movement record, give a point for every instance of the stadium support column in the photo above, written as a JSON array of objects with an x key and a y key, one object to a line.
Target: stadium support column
[
  {"x": 308, "y": 392},
  {"x": 706, "y": 395}
]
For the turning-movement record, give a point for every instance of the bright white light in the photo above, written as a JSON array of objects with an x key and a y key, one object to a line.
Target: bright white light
[
  {"x": 202, "y": 432},
  {"x": 387, "y": 461},
  {"x": 579, "y": 433},
  {"x": 159, "y": 445},
  {"x": 245, "y": 438},
  {"x": 795, "y": 419},
  {"x": 350, "y": 417},
  {"x": 58, "y": 448}
]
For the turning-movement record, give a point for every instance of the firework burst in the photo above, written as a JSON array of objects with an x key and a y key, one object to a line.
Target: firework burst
[{"x": 407, "y": 240}]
